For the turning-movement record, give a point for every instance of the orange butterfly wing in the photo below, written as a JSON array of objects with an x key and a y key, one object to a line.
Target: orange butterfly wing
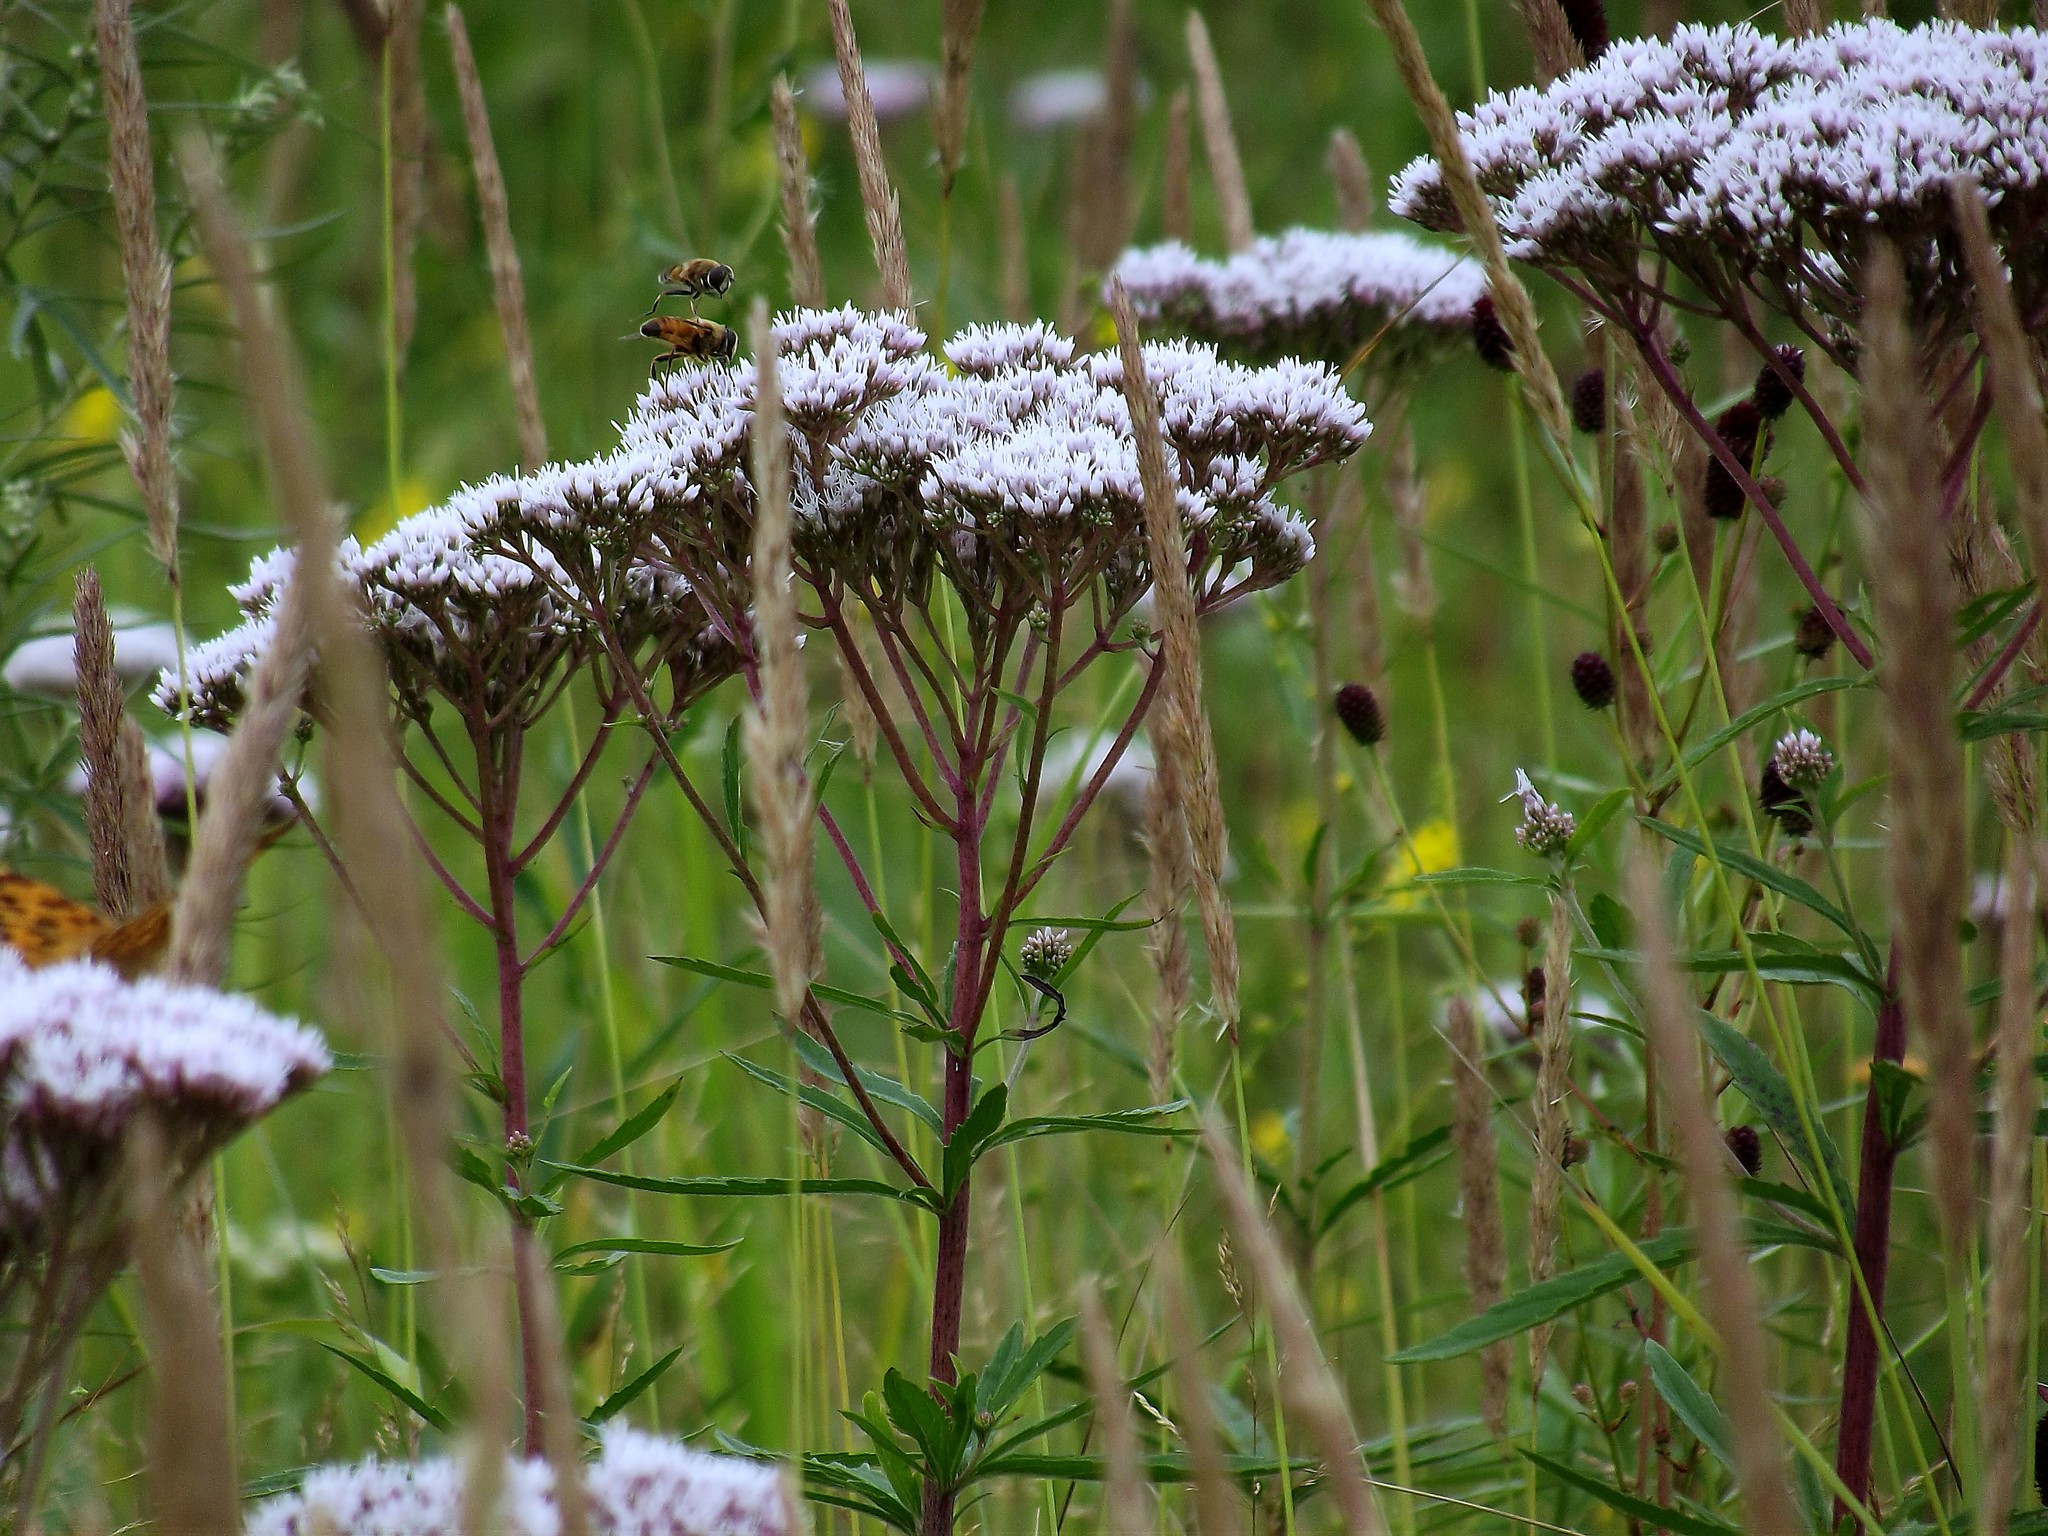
[{"x": 44, "y": 926}]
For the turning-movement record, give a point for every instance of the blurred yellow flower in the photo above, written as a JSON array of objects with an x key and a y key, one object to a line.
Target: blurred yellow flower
[
  {"x": 380, "y": 516},
  {"x": 1269, "y": 1136},
  {"x": 94, "y": 416},
  {"x": 1431, "y": 849}
]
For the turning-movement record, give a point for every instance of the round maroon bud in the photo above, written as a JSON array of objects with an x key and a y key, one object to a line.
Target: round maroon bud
[
  {"x": 1576, "y": 1150},
  {"x": 1784, "y": 804},
  {"x": 1589, "y": 401},
  {"x": 1665, "y": 538},
  {"x": 1592, "y": 680},
  {"x": 1534, "y": 985},
  {"x": 1588, "y": 21},
  {"x": 1496, "y": 348},
  {"x": 1358, "y": 710},
  {"x": 1815, "y": 636},
  {"x": 1722, "y": 497},
  {"x": 1748, "y": 1149},
  {"x": 1771, "y": 395},
  {"x": 1527, "y": 932}
]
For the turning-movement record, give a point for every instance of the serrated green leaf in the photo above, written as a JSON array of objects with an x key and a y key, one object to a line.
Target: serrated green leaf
[
  {"x": 626, "y": 1394},
  {"x": 742, "y": 1187},
  {"x": 657, "y": 1247},
  {"x": 1765, "y": 1087},
  {"x": 634, "y": 1126},
  {"x": 1126, "y": 1122},
  {"x": 1409, "y": 1162},
  {"x": 828, "y": 1104},
  {"x": 879, "y": 1086},
  {"x": 1769, "y": 876},
  {"x": 1657, "y": 1516},
  {"x": 398, "y": 1390}
]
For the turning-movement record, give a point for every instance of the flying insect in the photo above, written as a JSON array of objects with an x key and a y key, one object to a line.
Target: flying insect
[{"x": 691, "y": 280}]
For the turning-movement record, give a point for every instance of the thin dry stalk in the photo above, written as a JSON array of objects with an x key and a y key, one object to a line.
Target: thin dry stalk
[
  {"x": 1361, "y": 577},
  {"x": 1219, "y": 142},
  {"x": 776, "y": 724},
  {"x": 1553, "y": 1120},
  {"x": 371, "y": 825},
  {"x": 1170, "y": 874},
  {"x": 1123, "y": 1491},
  {"x": 129, "y": 871},
  {"x": 861, "y": 726},
  {"x": 1731, "y": 1299},
  {"x": 1915, "y": 611},
  {"x": 1628, "y": 548},
  {"x": 1352, "y": 179},
  {"x": 885, "y": 222},
  {"x": 191, "y": 1445},
  {"x": 1176, "y": 219},
  {"x": 799, "y": 229},
  {"x": 146, "y": 273},
  {"x": 1551, "y": 39},
  {"x": 1106, "y": 217},
  {"x": 1016, "y": 255},
  {"x": 508, "y": 284},
  {"x": 1216, "y": 1501},
  {"x": 1184, "y": 720},
  {"x": 1510, "y": 298},
  {"x": 408, "y": 106},
  {"x": 1414, "y": 583},
  {"x": 1486, "y": 1254},
  {"x": 1806, "y": 17},
  {"x": 561, "y": 1432},
  {"x": 2018, "y": 1097},
  {"x": 2015, "y": 391},
  {"x": 1307, "y": 1384},
  {"x": 959, "y": 26}
]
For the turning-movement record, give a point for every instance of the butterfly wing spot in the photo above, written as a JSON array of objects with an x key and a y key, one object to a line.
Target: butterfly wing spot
[{"x": 42, "y": 924}]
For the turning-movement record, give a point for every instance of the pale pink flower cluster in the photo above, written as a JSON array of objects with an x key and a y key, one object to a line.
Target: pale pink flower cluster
[
  {"x": 1309, "y": 293},
  {"x": 1759, "y": 161},
  {"x": 83, "y": 1052},
  {"x": 640, "y": 1485}
]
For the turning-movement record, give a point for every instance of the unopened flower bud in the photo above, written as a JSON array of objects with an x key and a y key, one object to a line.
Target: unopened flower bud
[
  {"x": 1771, "y": 395},
  {"x": 1746, "y": 1147},
  {"x": 1589, "y": 401},
  {"x": 1814, "y": 636},
  {"x": 1802, "y": 759},
  {"x": 1495, "y": 346},
  {"x": 1045, "y": 953},
  {"x": 1546, "y": 828}
]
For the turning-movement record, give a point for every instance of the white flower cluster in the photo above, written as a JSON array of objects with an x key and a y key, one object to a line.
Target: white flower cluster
[
  {"x": 1547, "y": 827},
  {"x": 1014, "y": 476},
  {"x": 640, "y": 1485},
  {"x": 1802, "y": 759},
  {"x": 83, "y": 1051},
  {"x": 1748, "y": 158},
  {"x": 1309, "y": 293}
]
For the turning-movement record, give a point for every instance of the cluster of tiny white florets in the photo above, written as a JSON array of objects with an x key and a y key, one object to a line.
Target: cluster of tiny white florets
[
  {"x": 83, "y": 1051},
  {"x": 1547, "y": 827},
  {"x": 640, "y": 1485},
  {"x": 1802, "y": 759},
  {"x": 1760, "y": 160},
  {"x": 1014, "y": 476},
  {"x": 1309, "y": 293},
  {"x": 1045, "y": 952}
]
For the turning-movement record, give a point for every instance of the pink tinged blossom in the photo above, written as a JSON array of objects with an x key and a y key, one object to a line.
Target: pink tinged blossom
[
  {"x": 44, "y": 666},
  {"x": 898, "y": 88}
]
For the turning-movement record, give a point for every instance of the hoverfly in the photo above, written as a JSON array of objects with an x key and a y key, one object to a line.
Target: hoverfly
[
  {"x": 688, "y": 337},
  {"x": 691, "y": 279}
]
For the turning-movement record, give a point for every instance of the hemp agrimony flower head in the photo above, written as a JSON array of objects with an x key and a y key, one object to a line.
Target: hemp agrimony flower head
[
  {"x": 1802, "y": 759},
  {"x": 1045, "y": 953},
  {"x": 640, "y": 1485},
  {"x": 1750, "y": 161},
  {"x": 1309, "y": 293},
  {"x": 1546, "y": 828}
]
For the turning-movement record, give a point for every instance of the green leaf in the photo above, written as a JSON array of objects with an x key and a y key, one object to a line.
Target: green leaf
[
  {"x": 1765, "y": 1087},
  {"x": 729, "y": 779},
  {"x": 1411, "y": 1161},
  {"x": 741, "y": 1187},
  {"x": 761, "y": 981},
  {"x": 1982, "y": 725},
  {"x": 825, "y": 1103},
  {"x": 632, "y": 1389},
  {"x": 1475, "y": 875},
  {"x": 392, "y": 1385},
  {"x": 1611, "y": 925},
  {"x": 1014, "y": 1367},
  {"x": 1126, "y": 1122},
  {"x": 1769, "y": 876},
  {"x": 659, "y": 1247},
  {"x": 967, "y": 1142},
  {"x": 1546, "y": 1300},
  {"x": 1696, "y": 1411},
  {"x": 1594, "y": 822},
  {"x": 1656, "y": 1516},
  {"x": 887, "y": 1089},
  {"x": 634, "y": 1126}
]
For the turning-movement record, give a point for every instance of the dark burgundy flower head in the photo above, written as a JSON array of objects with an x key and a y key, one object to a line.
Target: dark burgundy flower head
[
  {"x": 1496, "y": 348},
  {"x": 1814, "y": 636},
  {"x": 1784, "y": 804},
  {"x": 1771, "y": 395},
  {"x": 1358, "y": 710},
  {"x": 1592, "y": 680},
  {"x": 1747, "y": 1147},
  {"x": 1588, "y": 21},
  {"x": 1589, "y": 401}
]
